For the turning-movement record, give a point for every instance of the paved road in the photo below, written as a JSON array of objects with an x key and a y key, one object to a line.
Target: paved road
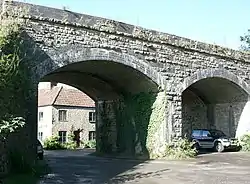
[{"x": 77, "y": 167}]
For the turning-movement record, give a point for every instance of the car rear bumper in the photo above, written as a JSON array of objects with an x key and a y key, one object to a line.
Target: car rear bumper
[{"x": 234, "y": 146}]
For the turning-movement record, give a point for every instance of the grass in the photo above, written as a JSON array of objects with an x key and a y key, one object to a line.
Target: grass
[{"x": 28, "y": 178}]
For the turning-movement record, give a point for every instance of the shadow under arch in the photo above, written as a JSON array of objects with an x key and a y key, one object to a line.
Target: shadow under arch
[
  {"x": 75, "y": 54},
  {"x": 209, "y": 73},
  {"x": 115, "y": 82},
  {"x": 224, "y": 99}
]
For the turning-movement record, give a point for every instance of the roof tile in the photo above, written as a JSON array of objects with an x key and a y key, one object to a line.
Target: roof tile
[{"x": 65, "y": 97}]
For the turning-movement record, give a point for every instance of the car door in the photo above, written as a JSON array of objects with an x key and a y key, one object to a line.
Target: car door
[
  {"x": 207, "y": 140},
  {"x": 196, "y": 136}
]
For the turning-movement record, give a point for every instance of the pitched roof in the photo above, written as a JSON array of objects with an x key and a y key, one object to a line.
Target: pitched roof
[{"x": 65, "y": 97}]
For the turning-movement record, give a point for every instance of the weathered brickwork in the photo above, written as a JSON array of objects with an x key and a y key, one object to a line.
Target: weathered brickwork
[
  {"x": 106, "y": 126},
  {"x": 63, "y": 43},
  {"x": 194, "y": 113},
  {"x": 228, "y": 117}
]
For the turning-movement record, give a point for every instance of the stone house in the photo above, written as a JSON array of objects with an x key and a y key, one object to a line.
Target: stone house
[{"x": 63, "y": 110}]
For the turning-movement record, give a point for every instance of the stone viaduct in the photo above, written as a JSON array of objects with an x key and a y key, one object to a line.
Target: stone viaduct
[{"x": 176, "y": 84}]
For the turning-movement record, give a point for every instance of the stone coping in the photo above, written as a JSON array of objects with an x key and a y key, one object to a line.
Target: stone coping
[{"x": 65, "y": 17}]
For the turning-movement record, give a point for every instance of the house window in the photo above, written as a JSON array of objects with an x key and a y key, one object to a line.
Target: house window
[
  {"x": 62, "y": 115},
  {"x": 91, "y": 135},
  {"x": 62, "y": 136},
  {"x": 40, "y": 136},
  {"x": 40, "y": 116},
  {"x": 92, "y": 117}
]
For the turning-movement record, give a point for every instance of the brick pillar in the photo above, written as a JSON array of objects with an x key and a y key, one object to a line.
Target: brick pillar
[{"x": 176, "y": 113}]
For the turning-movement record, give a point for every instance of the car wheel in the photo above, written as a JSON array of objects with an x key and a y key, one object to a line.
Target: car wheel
[
  {"x": 196, "y": 147},
  {"x": 40, "y": 156},
  {"x": 238, "y": 148},
  {"x": 219, "y": 147}
]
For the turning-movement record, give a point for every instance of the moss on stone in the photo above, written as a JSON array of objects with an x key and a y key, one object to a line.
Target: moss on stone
[{"x": 139, "y": 122}]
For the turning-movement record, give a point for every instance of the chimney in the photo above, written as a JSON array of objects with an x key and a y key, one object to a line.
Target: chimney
[{"x": 53, "y": 84}]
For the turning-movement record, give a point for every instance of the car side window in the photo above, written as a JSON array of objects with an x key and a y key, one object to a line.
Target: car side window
[
  {"x": 196, "y": 133},
  {"x": 205, "y": 133}
]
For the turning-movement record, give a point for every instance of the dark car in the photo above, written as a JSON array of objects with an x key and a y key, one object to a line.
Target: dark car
[
  {"x": 40, "y": 151},
  {"x": 213, "y": 139}
]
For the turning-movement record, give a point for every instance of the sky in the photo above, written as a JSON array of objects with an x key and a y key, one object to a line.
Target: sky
[{"x": 220, "y": 22}]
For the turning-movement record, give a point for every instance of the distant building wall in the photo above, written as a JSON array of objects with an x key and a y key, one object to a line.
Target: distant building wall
[
  {"x": 44, "y": 122},
  {"x": 76, "y": 118}
]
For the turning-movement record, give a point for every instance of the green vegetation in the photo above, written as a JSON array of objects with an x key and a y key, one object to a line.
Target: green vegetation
[
  {"x": 245, "y": 41},
  {"x": 90, "y": 144},
  {"x": 14, "y": 100},
  {"x": 71, "y": 143},
  {"x": 52, "y": 143},
  {"x": 140, "y": 119},
  {"x": 13, "y": 74},
  {"x": 181, "y": 149},
  {"x": 133, "y": 119},
  {"x": 245, "y": 142}
]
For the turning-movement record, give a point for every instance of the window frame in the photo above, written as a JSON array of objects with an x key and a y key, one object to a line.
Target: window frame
[
  {"x": 40, "y": 136},
  {"x": 62, "y": 138},
  {"x": 92, "y": 117},
  {"x": 61, "y": 116},
  {"x": 40, "y": 116},
  {"x": 92, "y": 135}
]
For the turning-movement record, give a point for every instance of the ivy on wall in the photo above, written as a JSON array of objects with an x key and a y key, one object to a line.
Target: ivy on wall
[
  {"x": 138, "y": 118},
  {"x": 156, "y": 124},
  {"x": 14, "y": 78}
]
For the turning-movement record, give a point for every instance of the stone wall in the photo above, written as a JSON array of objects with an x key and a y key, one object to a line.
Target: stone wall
[
  {"x": 77, "y": 118},
  {"x": 227, "y": 117},
  {"x": 106, "y": 130},
  {"x": 133, "y": 126},
  {"x": 66, "y": 43},
  {"x": 194, "y": 113}
]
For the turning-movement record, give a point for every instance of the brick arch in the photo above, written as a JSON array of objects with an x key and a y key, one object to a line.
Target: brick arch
[
  {"x": 221, "y": 73},
  {"x": 74, "y": 54}
]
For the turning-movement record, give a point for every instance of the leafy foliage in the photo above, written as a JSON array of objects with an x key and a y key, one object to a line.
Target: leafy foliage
[
  {"x": 71, "y": 144},
  {"x": 13, "y": 74},
  {"x": 90, "y": 144},
  {"x": 53, "y": 143},
  {"x": 245, "y": 142},
  {"x": 139, "y": 118},
  {"x": 246, "y": 41},
  {"x": 133, "y": 115},
  {"x": 12, "y": 124},
  {"x": 15, "y": 89},
  {"x": 180, "y": 149}
]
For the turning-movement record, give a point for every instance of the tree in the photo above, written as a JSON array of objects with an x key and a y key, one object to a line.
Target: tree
[{"x": 246, "y": 41}]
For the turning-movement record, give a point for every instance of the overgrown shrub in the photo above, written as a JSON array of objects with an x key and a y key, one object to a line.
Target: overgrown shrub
[
  {"x": 70, "y": 145},
  {"x": 90, "y": 144},
  {"x": 181, "y": 149},
  {"x": 53, "y": 143},
  {"x": 14, "y": 103},
  {"x": 245, "y": 142}
]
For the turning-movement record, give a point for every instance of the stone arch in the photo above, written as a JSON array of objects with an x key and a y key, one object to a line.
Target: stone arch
[
  {"x": 223, "y": 110},
  {"x": 208, "y": 73},
  {"x": 111, "y": 105},
  {"x": 75, "y": 54}
]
